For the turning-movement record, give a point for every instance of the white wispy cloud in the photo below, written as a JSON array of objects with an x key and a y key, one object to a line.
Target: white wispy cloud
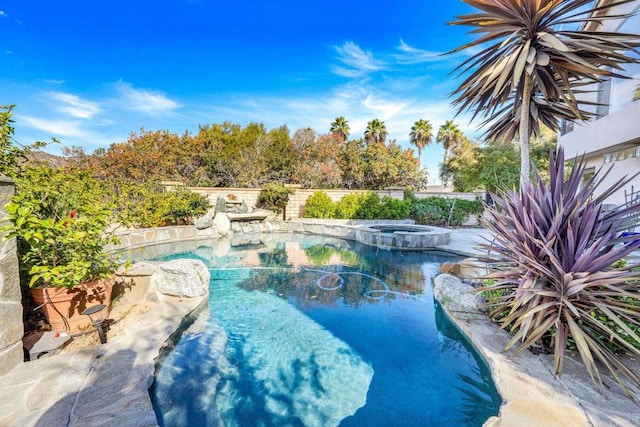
[
  {"x": 412, "y": 55},
  {"x": 144, "y": 100},
  {"x": 355, "y": 61},
  {"x": 74, "y": 105},
  {"x": 55, "y": 128},
  {"x": 3, "y": 13}
]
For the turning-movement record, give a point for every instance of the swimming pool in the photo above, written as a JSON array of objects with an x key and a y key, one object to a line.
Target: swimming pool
[{"x": 312, "y": 331}]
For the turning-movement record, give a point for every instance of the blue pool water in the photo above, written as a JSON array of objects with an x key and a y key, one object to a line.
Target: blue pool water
[{"x": 311, "y": 331}]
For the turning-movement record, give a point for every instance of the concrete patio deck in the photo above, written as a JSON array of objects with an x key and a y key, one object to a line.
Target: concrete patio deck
[{"x": 108, "y": 385}]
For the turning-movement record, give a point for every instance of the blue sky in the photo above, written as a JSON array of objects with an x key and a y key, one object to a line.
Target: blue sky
[{"x": 91, "y": 72}]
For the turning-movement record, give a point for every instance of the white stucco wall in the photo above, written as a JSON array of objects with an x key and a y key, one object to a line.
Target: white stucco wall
[
  {"x": 619, "y": 169},
  {"x": 611, "y": 133}
]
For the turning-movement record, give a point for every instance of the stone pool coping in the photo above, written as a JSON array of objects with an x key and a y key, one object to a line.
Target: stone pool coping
[{"x": 108, "y": 384}]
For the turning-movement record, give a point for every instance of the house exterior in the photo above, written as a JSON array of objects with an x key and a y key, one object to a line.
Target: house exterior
[{"x": 612, "y": 140}]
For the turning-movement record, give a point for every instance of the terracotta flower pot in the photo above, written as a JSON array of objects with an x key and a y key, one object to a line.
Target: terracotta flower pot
[{"x": 63, "y": 306}]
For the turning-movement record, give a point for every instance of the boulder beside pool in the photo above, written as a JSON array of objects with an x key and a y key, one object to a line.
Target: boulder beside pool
[
  {"x": 457, "y": 296},
  {"x": 185, "y": 278}
]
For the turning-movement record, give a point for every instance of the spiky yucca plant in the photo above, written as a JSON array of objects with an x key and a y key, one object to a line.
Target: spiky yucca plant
[{"x": 555, "y": 246}]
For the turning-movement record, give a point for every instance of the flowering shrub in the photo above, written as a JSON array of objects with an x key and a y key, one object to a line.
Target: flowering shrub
[{"x": 61, "y": 221}]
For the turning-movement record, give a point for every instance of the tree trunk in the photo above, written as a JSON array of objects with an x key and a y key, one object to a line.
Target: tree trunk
[{"x": 524, "y": 130}]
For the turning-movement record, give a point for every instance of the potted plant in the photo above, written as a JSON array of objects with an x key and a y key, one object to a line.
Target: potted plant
[{"x": 62, "y": 222}]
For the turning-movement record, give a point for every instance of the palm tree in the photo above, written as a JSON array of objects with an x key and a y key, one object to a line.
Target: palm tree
[
  {"x": 636, "y": 94},
  {"x": 421, "y": 135},
  {"x": 340, "y": 126},
  {"x": 531, "y": 70},
  {"x": 376, "y": 131},
  {"x": 449, "y": 135}
]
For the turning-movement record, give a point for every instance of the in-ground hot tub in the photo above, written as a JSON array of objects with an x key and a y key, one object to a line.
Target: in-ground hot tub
[{"x": 403, "y": 236}]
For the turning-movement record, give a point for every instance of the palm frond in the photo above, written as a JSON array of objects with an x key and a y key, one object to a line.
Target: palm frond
[{"x": 521, "y": 38}]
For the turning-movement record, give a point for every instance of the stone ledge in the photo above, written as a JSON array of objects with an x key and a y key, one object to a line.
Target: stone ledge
[
  {"x": 532, "y": 396},
  {"x": 102, "y": 385}
]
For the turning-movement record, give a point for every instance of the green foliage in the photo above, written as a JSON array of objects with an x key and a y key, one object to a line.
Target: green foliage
[
  {"x": 61, "y": 221},
  {"x": 532, "y": 62},
  {"x": 444, "y": 211},
  {"x": 274, "y": 196},
  {"x": 376, "y": 131},
  {"x": 149, "y": 205},
  {"x": 230, "y": 155},
  {"x": 340, "y": 127},
  {"x": 500, "y": 170},
  {"x": 319, "y": 255},
  {"x": 12, "y": 156},
  {"x": 356, "y": 206},
  {"x": 376, "y": 165},
  {"x": 495, "y": 166},
  {"x": 463, "y": 167},
  {"x": 370, "y": 206},
  {"x": 347, "y": 207},
  {"x": 391, "y": 208},
  {"x": 556, "y": 248},
  {"x": 319, "y": 205},
  {"x": 421, "y": 135}
]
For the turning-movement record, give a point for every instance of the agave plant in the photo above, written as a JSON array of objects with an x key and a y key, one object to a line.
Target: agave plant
[{"x": 555, "y": 248}]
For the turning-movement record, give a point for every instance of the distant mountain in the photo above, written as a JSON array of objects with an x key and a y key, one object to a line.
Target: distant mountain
[{"x": 51, "y": 159}]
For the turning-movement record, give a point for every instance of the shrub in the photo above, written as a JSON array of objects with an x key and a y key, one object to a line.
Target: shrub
[
  {"x": 556, "y": 246},
  {"x": 275, "y": 196},
  {"x": 370, "y": 206},
  {"x": 391, "y": 208},
  {"x": 149, "y": 205},
  {"x": 61, "y": 222},
  {"x": 432, "y": 210},
  {"x": 348, "y": 206},
  {"x": 319, "y": 205},
  {"x": 443, "y": 211}
]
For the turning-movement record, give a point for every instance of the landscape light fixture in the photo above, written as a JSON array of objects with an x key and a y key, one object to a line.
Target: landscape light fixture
[{"x": 95, "y": 316}]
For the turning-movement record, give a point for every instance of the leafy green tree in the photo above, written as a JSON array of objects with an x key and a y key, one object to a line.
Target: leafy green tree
[
  {"x": 62, "y": 221},
  {"x": 12, "y": 155},
  {"x": 280, "y": 156},
  {"x": 421, "y": 135},
  {"x": 463, "y": 167},
  {"x": 529, "y": 73},
  {"x": 378, "y": 165},
  {"x": 376, "y": 132},
  {"x": 449, "y": 135},
  {"x": 500, "y": 168},
  {"x": 246, "y": 157},
  {"x": 340, "y": 126},
  {"x": 495, "y": 166}
]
